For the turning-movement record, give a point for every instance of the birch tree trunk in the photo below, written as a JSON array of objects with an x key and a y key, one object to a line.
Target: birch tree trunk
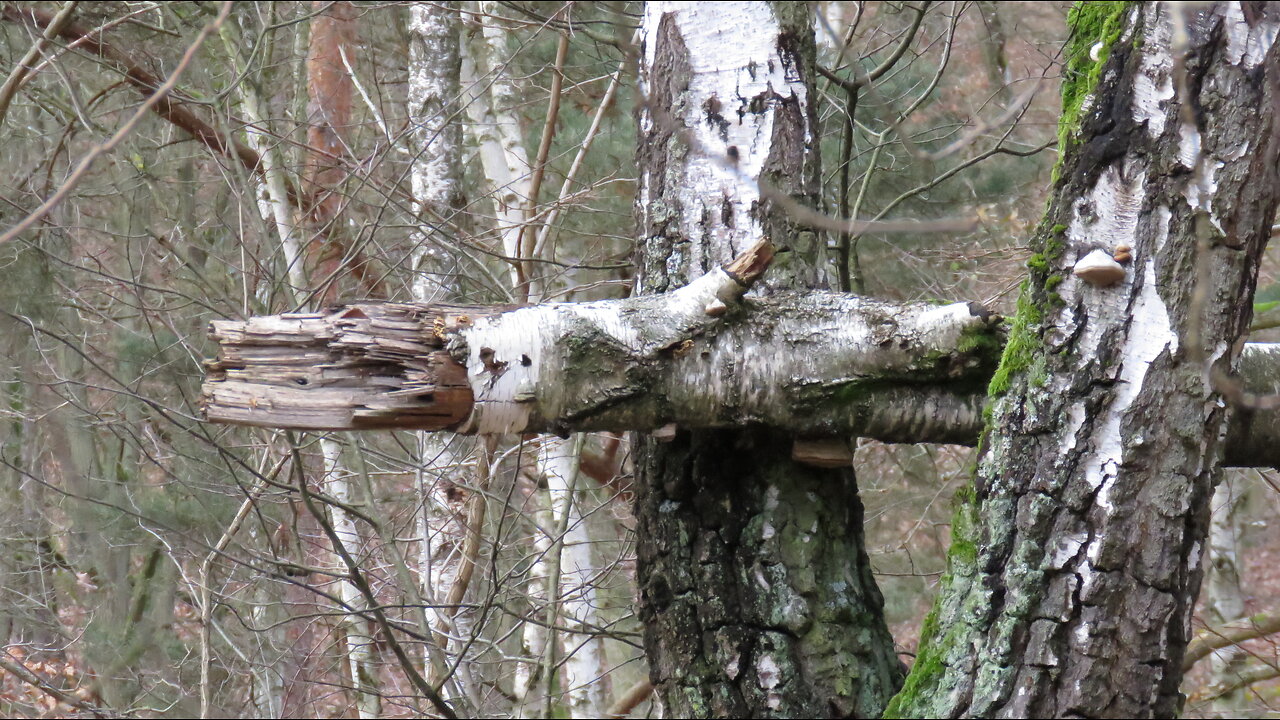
[
  {"x": 585, "y": 682},
  {"x": 266, "y": 695},
  {"x": 756, "y": 592},
  {"x": 492, "y": 99},
  {"x": 436, "y": 174},
  {"x": 444, "y": 459},
  {"x": 1223, "y": 601},
  {"x": 1076, "y": 560},
  {"x": 563, "y": 594}
]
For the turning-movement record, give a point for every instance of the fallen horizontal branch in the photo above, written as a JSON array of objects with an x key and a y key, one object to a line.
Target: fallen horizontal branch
[
  {"x": 1255, "y": 672},
  {"x": 822, "y": 365}
]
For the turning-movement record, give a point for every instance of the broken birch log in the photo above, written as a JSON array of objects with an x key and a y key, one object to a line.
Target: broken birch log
[{"x": 821, "y": 364}]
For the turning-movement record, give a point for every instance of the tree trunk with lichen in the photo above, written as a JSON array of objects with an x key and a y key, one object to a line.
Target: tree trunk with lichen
[
  {"x": 1076, "y": 558},
  {"x": 756, "y": 591}
]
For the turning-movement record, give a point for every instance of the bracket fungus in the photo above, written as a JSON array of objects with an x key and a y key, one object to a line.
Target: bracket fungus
[{"x": 1099, "y": 269}]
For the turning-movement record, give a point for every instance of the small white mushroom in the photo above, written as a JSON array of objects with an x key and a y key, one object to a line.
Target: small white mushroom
[
  {"x": 716, "y": 308},
  {"x": 1098, "y": 268}
]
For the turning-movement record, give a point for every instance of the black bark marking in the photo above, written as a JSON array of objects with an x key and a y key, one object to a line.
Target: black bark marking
[{"x": 711, "y": 110}]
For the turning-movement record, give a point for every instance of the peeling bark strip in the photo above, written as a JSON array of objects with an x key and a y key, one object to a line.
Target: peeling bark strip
[
  {"x": 814, "y": 364},
  {"x": 1074, "y": 570}
]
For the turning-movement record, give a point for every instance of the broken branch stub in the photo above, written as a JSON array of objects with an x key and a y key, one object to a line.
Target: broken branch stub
[
  {"x": 433, "y": 367},
  {"x": 375, "y": 366}
]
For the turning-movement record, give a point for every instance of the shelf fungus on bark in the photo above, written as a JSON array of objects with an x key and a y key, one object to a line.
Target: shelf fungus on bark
[
  {"x": 823, "y": 452},
  {"x": 1099, "y": 268}
]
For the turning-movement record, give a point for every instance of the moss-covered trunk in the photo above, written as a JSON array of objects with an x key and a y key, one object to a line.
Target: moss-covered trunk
[
  {"x": 1076, "y": 559},
  {"x": 756, "y": 593}
]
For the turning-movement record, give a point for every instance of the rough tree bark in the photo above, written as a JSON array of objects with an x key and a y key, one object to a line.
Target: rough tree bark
[
  {"x": 1076, "y": 561},
  {"x": 756, "y": 592}
]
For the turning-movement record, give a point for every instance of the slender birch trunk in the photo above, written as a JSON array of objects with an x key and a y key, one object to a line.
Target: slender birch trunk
[
  {"x": 435, "y": 61},
  {"x": 1223, "y": 599},
  {"x": 436, "y": 141},
  {"x": 362, "y": 654},
  {"x": 492, "y": 97},
  {"x": 267, "y": 690},
  {"x": 532, "y": 682},
  {"x": 584, "y": 680}
]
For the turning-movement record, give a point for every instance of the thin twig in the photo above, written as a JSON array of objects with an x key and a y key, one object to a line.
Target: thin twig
[
  {"x": 23, "y": 673},
  {"x": 23, "y": 68},
  {"x": 545, "y": 231},
  {"x": 357, "y": 578},
  {"x": 540, "y": 164},
  {"x": 206, "y": 604},
  {"x": 87, "y": 161}
]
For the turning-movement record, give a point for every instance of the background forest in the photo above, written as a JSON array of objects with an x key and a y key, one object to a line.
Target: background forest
[{"x": 310, "y": 153}]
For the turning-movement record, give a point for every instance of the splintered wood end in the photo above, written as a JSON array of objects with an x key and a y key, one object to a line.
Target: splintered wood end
[{"x": 751, "y": 264}]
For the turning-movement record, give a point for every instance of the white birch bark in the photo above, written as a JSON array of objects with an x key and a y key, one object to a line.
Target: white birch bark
[
  {"x": 362, "y": 654},
  {"x": 267, "y": 691},
  {"x": 1223, "y": 599},
  {"x": 275, "y": 205},
  {"x": 491, "y": 99},
  {"x": 1076, "y": 563},
  {"x": 436, "y": 137},
  {"x": 532, "y": 686},
  {"x": 583, "y": 679},
  {"x": 561, "y": 593},
  {"x": 267, "y": 687},
  {"x": 273, "y": 195},
  {"x": 920, "y": 385},
  {"x": 500, "y": 143},
  {"x": 730, "y": 140},
  {"x": 435, "y": 174}
]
